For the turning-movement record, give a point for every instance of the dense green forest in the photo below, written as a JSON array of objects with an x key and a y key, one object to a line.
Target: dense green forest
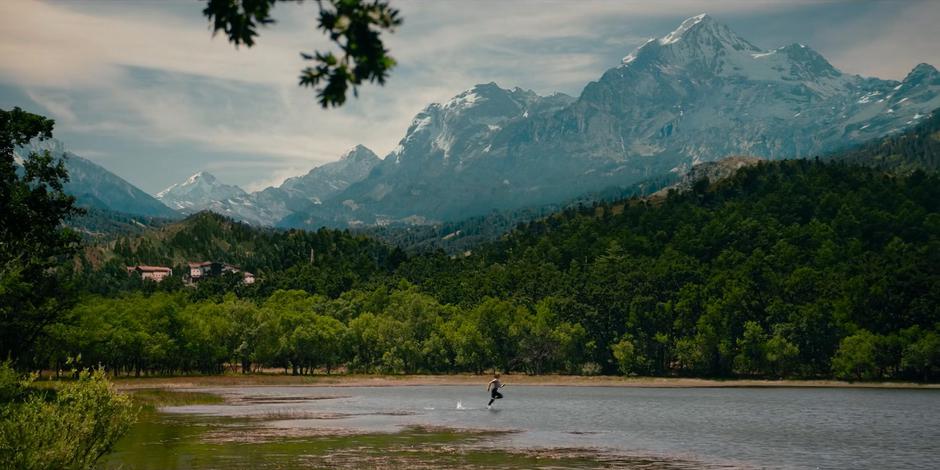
[
  {"x": 787, "y": 269},
  {"x": 780, "y": 270}
]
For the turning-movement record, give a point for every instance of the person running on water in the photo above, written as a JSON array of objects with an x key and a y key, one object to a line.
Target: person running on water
[{"x": 493, "y": 387}]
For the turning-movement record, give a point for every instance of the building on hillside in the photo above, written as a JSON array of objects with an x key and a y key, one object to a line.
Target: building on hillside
[
  {"x": 203, "y": 269},
  {"x": 199, "y": 270},
  {"x": 150, "y": 273}
]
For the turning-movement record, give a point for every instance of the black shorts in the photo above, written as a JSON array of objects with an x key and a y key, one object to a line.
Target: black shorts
[{"x": 495, "y": 394}]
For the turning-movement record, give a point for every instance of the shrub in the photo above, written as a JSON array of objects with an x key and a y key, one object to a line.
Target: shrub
[{"x": 71, "y": 428}]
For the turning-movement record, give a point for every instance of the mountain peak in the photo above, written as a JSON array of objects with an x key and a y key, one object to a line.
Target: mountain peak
[
  {"x": 473, "y": 96},
  {"x": 486, "y": 86},
  {"x": 809, "y": 62},
  {"x": 358, "y": 153},
  {"x": 702, "y": 30},
  {"x": 698, "y": 36},
  {"x": 921, "y": 72},
  {"x": 688, "y": 25},
  {"x": 202, "y": 175},
  {"x": 196, "y": 191}
]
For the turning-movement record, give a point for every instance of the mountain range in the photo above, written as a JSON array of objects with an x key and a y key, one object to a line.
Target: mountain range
[
  {"x": 697, "y": 94},
  {"x": 203, "y": 191}
]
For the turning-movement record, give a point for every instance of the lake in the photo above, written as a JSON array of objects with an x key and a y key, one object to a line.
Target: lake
[{"x": 302, "y": 426}]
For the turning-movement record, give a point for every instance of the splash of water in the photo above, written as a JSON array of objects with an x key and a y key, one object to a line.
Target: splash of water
[{"x": 460, "y": 406}]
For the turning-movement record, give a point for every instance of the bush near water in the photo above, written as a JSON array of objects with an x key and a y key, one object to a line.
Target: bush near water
[{"x": 71, "y": 427}]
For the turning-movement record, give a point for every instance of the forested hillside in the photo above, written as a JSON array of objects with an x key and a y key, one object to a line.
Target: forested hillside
[
  {"x": 98, "y": 225},
  {"x": 796, "y": 267},
  {"x": 330, "y": 260},
  {"x": 916, "y": 148},
  {"x": 787, "y": 269},
  {"x": 457, "y": 238}
]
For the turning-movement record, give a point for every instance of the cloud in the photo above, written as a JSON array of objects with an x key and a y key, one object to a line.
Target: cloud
[
  {"x": 59, "y": 104},
  {"x": 54, "y": 44},
  {"x": 891, "y": 43}
]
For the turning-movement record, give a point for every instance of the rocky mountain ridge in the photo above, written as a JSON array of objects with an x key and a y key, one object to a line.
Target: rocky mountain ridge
[{"x": 697, "y": 94}]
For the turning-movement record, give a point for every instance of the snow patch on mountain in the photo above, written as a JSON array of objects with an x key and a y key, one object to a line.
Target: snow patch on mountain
[
  {"x": 683, "y": 28},
  {"x": 198, "y": 192}
]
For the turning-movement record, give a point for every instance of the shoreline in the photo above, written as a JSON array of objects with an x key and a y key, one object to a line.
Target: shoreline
[{"x": 213, "y": 381}]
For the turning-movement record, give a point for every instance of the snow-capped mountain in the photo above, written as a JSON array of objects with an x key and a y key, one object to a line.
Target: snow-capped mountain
[
  {"x": 198, "y": 192},
  {"x": 442, "y": 163},
  {"x": 702, "y": 92},
  {"x": 697, "y": 94},
  {"x": 95, "y": 187},
  {"x": 203, "y": 191}
]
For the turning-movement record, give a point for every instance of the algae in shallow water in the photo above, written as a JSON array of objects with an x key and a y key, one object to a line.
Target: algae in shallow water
[
  {"x": 160, "y": 441},
  {"x": 151, "y": 399}
]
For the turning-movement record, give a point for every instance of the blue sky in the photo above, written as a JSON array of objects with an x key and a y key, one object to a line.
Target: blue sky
[{"x": 143, "y": 89}]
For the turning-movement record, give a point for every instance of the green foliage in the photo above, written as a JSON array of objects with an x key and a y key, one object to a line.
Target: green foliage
[
  {"x": 855, "y": 358},
  {"x": 33, "y": 205},
  {"x": 71, "y": 429},
  {"x": 751, "y": 345},
  {"x": 781, "y": 355},
  {"x": 355, "y": 26},
  {"x": 625, "y": 355},
  {"x": 923, "y": 356},
  {"x": 397, "y": 331},
  {"x": 11, "y": 386}
]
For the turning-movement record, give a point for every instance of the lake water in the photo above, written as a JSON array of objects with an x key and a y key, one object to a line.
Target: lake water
[{"x": 704, "y": 427}]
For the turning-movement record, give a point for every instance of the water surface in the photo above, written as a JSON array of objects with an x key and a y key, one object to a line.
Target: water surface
[{"x": 692, "y": 427}]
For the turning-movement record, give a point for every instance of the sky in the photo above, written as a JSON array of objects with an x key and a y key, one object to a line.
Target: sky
[{"x": 145, "y": 90}]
